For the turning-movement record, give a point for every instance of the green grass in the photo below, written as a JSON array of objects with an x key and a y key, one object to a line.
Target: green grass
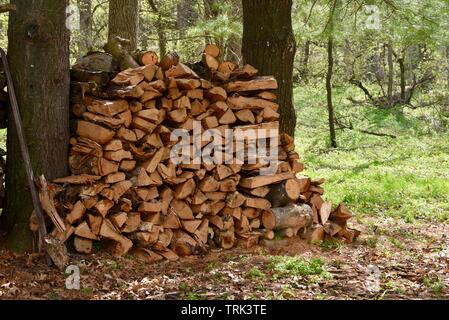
[
  {"x": 296, "y": 266},
  {"x": 255, "y": 273},
  {"x": 406, "y": 177}
]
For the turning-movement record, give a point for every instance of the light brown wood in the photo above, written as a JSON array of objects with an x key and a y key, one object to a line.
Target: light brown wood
[
  {"x": 83, "y": 230},
  {"x": 260, "y": 181},
  {"x": 212, "y": 50},
  {"x": 76, "y": 213},
  {"x": 108, "y": 108},
  {"x": 94, "y": 132},
  {"x": 83, "y": 245}
]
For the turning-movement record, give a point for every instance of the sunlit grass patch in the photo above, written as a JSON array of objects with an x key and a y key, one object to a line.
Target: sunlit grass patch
[
  {"x": 296, "y": 266},
  {"x": 406, "y": 177}
]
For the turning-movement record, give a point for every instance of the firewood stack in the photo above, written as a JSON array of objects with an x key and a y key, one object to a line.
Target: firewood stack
[{"x": 126, "y": 192}]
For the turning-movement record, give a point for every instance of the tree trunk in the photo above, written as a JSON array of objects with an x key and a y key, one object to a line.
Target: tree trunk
[
  {"x": 85, "y": 40},
  {"x": 234, "y": 45},
  {"x": 39, "y": 58},
  {"x": 305, "y": 62},
  {"x": 402, "y": 68},
  {"x": 269, "y": 45},
  {"x": 161, "y": 36},
  {"x": 186, "y": 15},
  {"x": 330, "y": 106},
  {"x": 124, "y": 20},
  {"x": 390, "y": 72}
]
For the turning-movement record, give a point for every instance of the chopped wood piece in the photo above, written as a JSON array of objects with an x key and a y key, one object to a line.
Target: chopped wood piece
[
  {"x": 150, "y": 207},
  {"x": 185, "y": 245},
  {"x": 212, "y": 50},
  {"x": 120, "y": 188},
  {"x": 94, "y": 132},
  {"x": 108, "y": 231},
  {"x": 216, "y": 94},
  {"x": 260, "y": 181},
  {"x": 211, "y": 62},
  {"x": 247, "y": 71},
  {"x": 180, "y": 71},
  {"x": 169, "y": 60},
  {"x": 146, "y": 58},
  {"x": 258, "y": 203},
  {"x": 147, "y": 255},
  {"x": 103, "y": 206},
  {"x": 151, "y": 165},
  {"x": 127, "y": 165},
  {"x": 84, "y": 231},
  {"x": 227, "y": 67},
  {"x": 245, "y": 115},
  {"x": 108, "y": 108},
  {"x": 341, "y": 213},
  {"x": 132, "y": 222},
  {"x": 112, "y": 123},
  {"x": 118, "y": 219},
  {"x": 181, "y": 209},
  {"x": 78, "y": 179},
  {"x": 325, "y": 212},
  {"x": 269, "y": 220},
  {"x": 251, "y": 103},
  {"x": 185, "y": 189},
  {"x": 77, "y": 212},
  {"x": 83, "y": 245},
  {"x": 293, "y": 216},
  {"x": 191, "y": 225},
  {"x": 259, "y": 83}
]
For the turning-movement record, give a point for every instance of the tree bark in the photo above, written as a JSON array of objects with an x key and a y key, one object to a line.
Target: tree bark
[
  {"x": 402, "y": 73},
  {"x": 305, "y": 62},
  {"x": 269, "y": 45},
  {"x": 186, "y": 15},
  {"x": 330, "y": 106},
  {"x": 390, "y": 72},
  {"x": 85, "y": 37},
  {"x": 39, "y": 59},
  {"x": 124, "y": 20}
]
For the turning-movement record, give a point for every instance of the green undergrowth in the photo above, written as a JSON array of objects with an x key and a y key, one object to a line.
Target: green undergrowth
[{"x": 406, "y": 176}]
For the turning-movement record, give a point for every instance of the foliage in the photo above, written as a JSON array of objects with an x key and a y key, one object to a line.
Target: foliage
[
  {"x": 406, "y": 177},
  {"x": 285, "y": 265}
]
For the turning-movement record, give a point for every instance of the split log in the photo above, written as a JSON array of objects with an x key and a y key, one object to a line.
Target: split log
[{"x": 292, "y": 216}]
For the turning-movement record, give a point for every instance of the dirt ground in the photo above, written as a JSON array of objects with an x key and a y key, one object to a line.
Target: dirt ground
[{"x": 390, "y": 260}]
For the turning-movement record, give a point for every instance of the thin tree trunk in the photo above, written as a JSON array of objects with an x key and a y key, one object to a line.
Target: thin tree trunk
[
  {"x": 305, "y": 62},
  {"x": 124, "y": 20},
  {"x": 269, "y": 45},
  {"x": 39, "y": 58},
  {"x": 186, "y": 15},
  {"x": 330, "y": 106},
  {"x": 390, "y": 72},
  {"x": 162, "y": 38},
  {"x": 402, "y": 74},
  {"x": 85, "y": 40}
]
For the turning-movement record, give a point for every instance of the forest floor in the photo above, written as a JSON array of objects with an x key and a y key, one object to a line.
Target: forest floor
[{"x": 398, "y": 189}]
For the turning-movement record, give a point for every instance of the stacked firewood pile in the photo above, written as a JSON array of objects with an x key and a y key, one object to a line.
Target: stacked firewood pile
[{"x": 126, "y": 191}]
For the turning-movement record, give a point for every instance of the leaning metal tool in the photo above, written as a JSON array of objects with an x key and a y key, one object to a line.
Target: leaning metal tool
[{"x": 25, "y": 155}]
